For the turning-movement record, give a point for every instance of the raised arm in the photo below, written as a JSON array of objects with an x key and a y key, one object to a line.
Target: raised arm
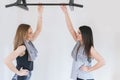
[
  {"x": 11, "y": 57},
  {"x": 39, "y": 23},
  {"x": 69, "y": 23}
]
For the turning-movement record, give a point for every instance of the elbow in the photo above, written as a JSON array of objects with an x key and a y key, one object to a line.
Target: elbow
[
  {"x": 102, "y": 62},
  {"x": 38, "y": 31},
  {"x": 5, "y": 61}
]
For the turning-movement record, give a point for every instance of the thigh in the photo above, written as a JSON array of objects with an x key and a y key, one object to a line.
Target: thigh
[
  {"x": 16, "y": 77},
  {"x": 29, "y": 76}
]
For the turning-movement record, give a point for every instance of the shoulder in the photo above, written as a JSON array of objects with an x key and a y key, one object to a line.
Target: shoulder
[
  {"x": 92, "y": 49},
  {"x": 17, "y": 52},
  {"x": 93, "y": 52},
  {"x": 20, "y": 49}
]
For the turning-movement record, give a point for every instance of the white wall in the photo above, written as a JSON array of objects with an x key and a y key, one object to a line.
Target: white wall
[{"x": 55, "y": 42}]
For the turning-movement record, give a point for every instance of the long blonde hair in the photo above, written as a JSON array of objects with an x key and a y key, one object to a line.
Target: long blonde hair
[{"x": 20, "y": 35}]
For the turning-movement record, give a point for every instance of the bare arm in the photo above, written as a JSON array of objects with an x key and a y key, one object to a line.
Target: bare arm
[
  {"x": 69, "y": 23},
  {"x": 39, "y": 24},
  {"x": 100, "y": 60},
  {"x": 11, "y": 57}
]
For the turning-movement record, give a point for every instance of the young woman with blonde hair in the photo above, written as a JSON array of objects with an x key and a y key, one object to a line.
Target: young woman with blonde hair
[{"x": 24, "y": 51}]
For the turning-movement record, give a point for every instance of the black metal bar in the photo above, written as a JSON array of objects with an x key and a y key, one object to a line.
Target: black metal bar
[
  {"x": 45, "y": 4},
  {"x": 10, "y": 5},
  {"x": 77, "y": 5},
  {"x": 71, "y": 2}
]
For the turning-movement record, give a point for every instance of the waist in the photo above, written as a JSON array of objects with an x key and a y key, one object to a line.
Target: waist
[
  {"x": 84, "y": 79},
  {"x": 28, "y": 66},
  {"x": 84, "y": 75},
  {"x": 29, "y": 69}
]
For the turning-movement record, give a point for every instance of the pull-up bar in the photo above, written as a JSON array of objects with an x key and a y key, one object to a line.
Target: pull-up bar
[{"x": 23, "y": 4}]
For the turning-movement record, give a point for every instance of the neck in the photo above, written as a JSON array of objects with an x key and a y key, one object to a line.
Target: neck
[
  {"x": 27, "y": 40},
  {"x": 81, "y": 42}
]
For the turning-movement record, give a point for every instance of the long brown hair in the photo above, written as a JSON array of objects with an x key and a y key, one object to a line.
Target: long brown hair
[
  {"x": 20, "y": 35},
  {"x": 87, "y": 37}
]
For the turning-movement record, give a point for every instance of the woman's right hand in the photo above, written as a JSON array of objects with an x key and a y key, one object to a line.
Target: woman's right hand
[
  {"x": 23, "y": 72},
  {"x": 40, "y": 9},
  {"x": 84, "y": 68}
]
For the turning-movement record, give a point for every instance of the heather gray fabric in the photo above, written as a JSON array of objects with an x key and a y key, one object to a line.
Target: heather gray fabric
[{"x": 32, "y": 51}]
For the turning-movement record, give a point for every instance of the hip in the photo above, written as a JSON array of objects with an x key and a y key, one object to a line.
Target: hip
[{"x": 17, "y": 77}]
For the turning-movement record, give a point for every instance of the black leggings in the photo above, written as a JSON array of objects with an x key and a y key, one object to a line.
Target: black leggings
[{"x": 83, "y": 79}]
